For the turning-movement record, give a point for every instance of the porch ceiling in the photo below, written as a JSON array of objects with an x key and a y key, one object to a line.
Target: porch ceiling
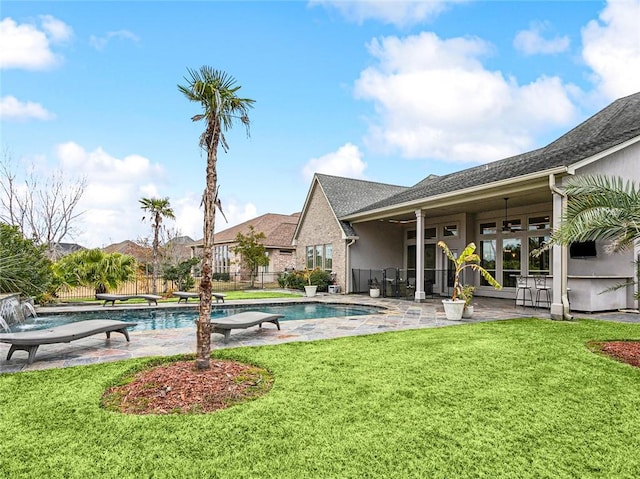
[{"x": 533, "y": 192}]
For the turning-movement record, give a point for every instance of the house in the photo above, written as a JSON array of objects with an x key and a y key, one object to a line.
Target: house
[
  {"x": 142, "y": 254},
  {"x": 278, "y": 230},
  {"x": 56, "y": 251},
  {"x": 508, "y": 208}
]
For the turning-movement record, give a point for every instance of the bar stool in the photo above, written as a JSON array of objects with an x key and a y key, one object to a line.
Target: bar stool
[
  {"x": 541, "y": 286},
  {"x": 522, "y": 284}
]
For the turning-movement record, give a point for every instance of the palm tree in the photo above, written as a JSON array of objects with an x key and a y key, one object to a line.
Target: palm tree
[
  {"x": 216, "y": 92},
  {"x": 601, "y": 208},
  {"x": 158, "y": 208},
  {"x": 94, "y": 268}
]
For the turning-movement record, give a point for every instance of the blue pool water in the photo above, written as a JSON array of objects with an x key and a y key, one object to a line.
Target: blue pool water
[{"x": 157, "y": 319}]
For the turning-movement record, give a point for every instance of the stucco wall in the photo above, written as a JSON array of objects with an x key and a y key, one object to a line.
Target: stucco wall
[
  {"x": 626, "y": 164},
  {"x": 380, "y": 246},
  {"x": 317, "y": 227}
]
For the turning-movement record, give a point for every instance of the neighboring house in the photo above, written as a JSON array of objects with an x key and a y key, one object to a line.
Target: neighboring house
[
  {"x": 142, "y": 254},
  {"x": 177, "y": 249},
  {"x": 278, "y": 231},
  {"x": 507, "y": 207},
  {"x": 55, "y": 251}
]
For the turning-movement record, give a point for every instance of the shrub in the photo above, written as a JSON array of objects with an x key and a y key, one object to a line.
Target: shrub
[
  {"x": 297, "y": 279},
  {"x": 221, "y": 276}
]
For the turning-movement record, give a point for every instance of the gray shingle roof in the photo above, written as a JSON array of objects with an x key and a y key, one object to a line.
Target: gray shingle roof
[
  {"x": 347, "y": 195},
  {"x": 617, "y": 123}
]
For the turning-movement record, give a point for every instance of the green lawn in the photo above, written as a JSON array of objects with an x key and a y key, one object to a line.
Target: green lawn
[
  {"x": 230, "y": 295},
  {"x": 506, "y": 399}
]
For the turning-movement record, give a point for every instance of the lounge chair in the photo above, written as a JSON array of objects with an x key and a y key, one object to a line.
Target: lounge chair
[
  {"x": 243, "y": 321},
  {"x": 30, "y": 340},
  {"x": 112, "y": 298},
  {"x": 186, "y": 295}
]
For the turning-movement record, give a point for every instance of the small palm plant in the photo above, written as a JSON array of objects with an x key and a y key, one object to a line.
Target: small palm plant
[{"x": 467, "y": 259}]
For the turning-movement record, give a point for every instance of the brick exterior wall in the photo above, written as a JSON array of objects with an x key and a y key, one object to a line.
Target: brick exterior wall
[{"x": 319, "y": 226}]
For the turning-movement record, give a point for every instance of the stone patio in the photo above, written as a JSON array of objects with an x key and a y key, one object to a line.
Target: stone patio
[{"x": 397, "y": 315}]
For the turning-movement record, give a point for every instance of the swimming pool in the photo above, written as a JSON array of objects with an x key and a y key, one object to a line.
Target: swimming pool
[{"x": 158, "y": 319}]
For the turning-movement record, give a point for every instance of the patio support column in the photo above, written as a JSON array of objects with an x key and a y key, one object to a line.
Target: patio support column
[
  {"x": 420, "y": 294},
  {"x": 560, "y": 301}
]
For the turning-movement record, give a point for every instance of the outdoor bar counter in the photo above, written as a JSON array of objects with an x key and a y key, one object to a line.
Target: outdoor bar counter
[{"x": 587, "y": 293}]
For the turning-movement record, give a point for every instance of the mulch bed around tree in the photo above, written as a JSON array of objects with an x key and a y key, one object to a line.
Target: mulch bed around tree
[
  {"x": 625, "y": 351},
  {"x": 178, "y": 387}
]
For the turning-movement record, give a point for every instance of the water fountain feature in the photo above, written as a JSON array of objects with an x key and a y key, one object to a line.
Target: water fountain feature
[{"x": 12, "y": 310}]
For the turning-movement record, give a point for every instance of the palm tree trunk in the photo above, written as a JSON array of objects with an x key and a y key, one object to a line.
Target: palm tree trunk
[
  {"x": 156, "y": 244},
  {"x": 203, "y": 333}
]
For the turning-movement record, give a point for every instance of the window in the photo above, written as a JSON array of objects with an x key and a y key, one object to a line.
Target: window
[
  {"x": 309, "y": 261},
  {"x": 539, "y": 264},
  {"x": 450, "y": 230},
  {"x": 429, "y": 233},
  {"x": 488, "y": 259},
  {"x": 319, "y": 256},
  {"x": 511, "y": 261},
  {"x": 488, "y": 228},
  {"x": 411, "y": 234},
  {"x": 539, "y": 223},
  {"x": 221, "y": 261}
]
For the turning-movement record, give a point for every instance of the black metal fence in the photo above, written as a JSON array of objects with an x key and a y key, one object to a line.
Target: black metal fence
[
  {"x": 144, "y": 285},
  {"x": 401, "y": 283}
]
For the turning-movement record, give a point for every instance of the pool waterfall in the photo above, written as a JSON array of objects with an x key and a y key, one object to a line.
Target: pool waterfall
[{"x": 13, "y": 311}]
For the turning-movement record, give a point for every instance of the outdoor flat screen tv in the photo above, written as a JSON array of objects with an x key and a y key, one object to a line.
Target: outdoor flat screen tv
[{"x": 583, "y": 249}]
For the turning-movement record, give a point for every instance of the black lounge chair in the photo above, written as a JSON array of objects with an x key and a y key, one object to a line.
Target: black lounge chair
[
  {"x": 112, "y": 298},
  {"x": 30, "y": 340},
  {"x": 186, "y": 295},
  {"x": 243, "y": 321}
]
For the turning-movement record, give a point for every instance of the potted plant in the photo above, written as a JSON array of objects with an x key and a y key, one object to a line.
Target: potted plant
[
  {"x": 309, "y": 289},
  {"x": 467, "y": 295},
  {"x": 374, "y": 288},
  {"x": 454, "y": 307}
]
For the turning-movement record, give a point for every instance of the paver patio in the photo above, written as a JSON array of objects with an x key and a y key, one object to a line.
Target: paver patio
[{"x": 398, "y": 315}]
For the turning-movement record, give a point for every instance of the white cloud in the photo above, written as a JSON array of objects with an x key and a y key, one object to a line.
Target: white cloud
[
  {"x": 611, "y": 48},
  {"x": 435, "y": 99},
  {"x": 13, "y": 109},
  {"x": 531, "y": 42},
  {"x": 114, "y": 188},
  {"x": 399, "y": 13},
  {"x": 236, "y": 213},
  {"x": 100, "y": 43},
  {"x": 28, "y": 47},
  {"x": 346, "y": 161},
  {"x": 57, "y": 30}
]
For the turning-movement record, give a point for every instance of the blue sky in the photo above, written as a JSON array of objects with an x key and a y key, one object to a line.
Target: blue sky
[{"x": 384, "y": 91}]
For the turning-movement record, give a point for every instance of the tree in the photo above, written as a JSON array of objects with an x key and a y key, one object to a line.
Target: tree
[
  {"x": 216, "y": 92},
  {"x": 158, "y": 209},
  {"x": 600, "y": 208},
  {"x": 24, "y": 267},
  {"x": 94, "y": 268},
  {"x": 43, "y": 208},
  {"x": 252, "y": 251},
  {"x": 180, "y": 274},
  {"x": 467, "y": 259}
]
